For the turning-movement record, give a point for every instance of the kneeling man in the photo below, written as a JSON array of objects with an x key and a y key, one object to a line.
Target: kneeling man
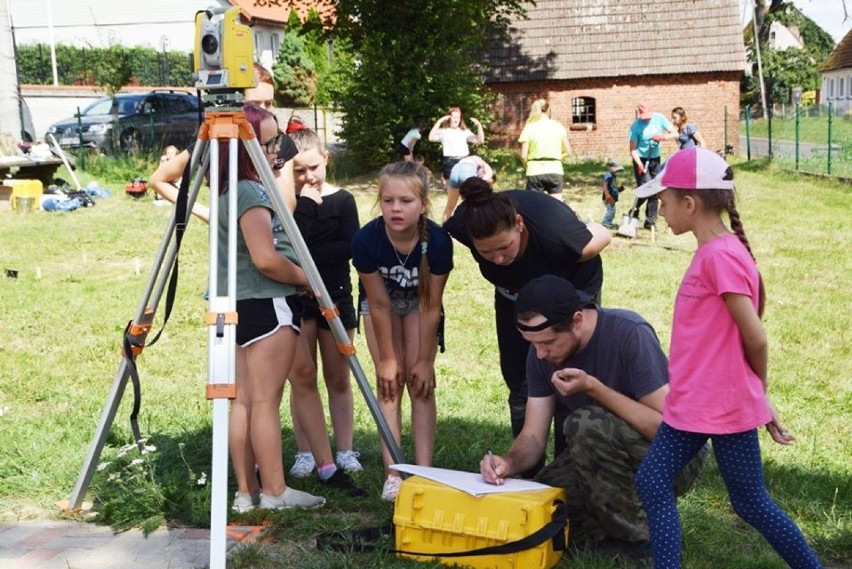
[{"x": 607, "y": 369}]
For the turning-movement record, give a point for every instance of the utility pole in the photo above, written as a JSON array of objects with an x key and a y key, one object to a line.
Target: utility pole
[{"x": 759, "y": 64}]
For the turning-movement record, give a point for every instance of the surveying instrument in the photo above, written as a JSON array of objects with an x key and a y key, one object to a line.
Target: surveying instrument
[{"x": 223, "y": 67}]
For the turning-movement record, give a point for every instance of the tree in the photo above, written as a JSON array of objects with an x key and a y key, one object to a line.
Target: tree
[
  {"x": 294, "y": 72},
  {"x": 413, "y": 60},
  {"x": 791, "y": 67}
]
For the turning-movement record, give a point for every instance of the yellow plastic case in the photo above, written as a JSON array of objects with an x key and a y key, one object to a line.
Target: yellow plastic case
[
  {"x": 432, "y": 518},
  {"x": 22, "y": 189}
]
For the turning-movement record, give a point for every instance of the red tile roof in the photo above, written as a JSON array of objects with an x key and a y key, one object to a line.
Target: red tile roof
[
  {"x": 278, "y": 11},
  {"x": 573, "y": 39},
  {"x": 841, "y": 57}
]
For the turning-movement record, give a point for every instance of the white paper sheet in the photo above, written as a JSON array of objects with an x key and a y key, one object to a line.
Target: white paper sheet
[{"x": 470, "y": 482}]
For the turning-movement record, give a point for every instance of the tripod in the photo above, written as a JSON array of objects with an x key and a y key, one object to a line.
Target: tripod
[{"x": 222, "y": 123}]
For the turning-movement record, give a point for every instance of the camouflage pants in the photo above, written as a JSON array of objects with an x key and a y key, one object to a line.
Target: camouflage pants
[{"x": 597, "y": 469}]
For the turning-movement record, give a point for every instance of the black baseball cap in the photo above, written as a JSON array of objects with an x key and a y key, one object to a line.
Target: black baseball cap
[{"x": 551, "y": 296}]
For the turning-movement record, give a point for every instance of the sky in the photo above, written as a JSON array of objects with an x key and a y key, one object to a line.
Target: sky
[{"x": 828, "y": 14}]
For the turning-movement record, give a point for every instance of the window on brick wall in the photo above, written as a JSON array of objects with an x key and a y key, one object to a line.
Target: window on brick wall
[{"x": 583, "y": 113}]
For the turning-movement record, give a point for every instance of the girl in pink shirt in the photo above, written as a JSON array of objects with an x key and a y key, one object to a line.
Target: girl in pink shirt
[{"x": 717, "y": 366}]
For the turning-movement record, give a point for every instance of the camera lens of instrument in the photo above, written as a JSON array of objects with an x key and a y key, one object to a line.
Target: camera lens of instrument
[{"x": 209, "y": 44}]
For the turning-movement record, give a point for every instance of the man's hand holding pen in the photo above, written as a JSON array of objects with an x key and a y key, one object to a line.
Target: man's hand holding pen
[{"x": 493, "y": 469}]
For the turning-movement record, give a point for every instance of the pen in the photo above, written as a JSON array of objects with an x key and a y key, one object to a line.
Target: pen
[{"x": 493, "y": 466}]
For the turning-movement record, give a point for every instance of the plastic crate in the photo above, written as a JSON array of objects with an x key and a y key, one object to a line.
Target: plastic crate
[
  {"x": 434, "y": 518},
  {"x": 25, "y": 189}
]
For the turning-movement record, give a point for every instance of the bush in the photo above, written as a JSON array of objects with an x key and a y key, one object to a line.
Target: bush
[{"x": 79, "y": 66}]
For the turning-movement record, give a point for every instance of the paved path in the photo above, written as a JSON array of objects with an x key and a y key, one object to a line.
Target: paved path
[
  {"x": 78, "y": 545},
  {"x": 786, "y": 148}
]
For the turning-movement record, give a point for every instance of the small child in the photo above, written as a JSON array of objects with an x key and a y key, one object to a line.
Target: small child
[
  {"x": 717, "y": 365},
  {"x": 610, "y": 193},
  {"x": 327, "y": 217}
]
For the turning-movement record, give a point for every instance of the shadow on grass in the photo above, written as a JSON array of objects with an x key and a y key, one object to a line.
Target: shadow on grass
[{"x": 817, "y": 500}]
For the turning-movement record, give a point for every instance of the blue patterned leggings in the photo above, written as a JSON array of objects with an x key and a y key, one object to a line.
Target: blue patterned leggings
[{"x": 738, "y": 458}]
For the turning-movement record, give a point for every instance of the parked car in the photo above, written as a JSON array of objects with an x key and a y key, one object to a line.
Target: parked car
[{"x": 132, "y": 122}]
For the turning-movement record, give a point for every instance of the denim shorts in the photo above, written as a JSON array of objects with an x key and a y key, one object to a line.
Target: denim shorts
[
  {"x": 399, "y": 306},
  {"x": 461, "y": 172}
]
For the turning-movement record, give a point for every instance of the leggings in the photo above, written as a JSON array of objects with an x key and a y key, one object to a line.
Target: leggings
[{"x": 738, "y": 458}]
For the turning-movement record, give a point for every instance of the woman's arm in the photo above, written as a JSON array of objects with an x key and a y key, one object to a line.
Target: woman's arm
[
  {"x": 699, "y": 140},
  {"x": 163, "y": 178},
  {"x": 567, "y": 151},
  {"x": 433, "y": 134},
  {"x": 525, "y": 152},
  {"x": 601, "y": 237},
  {"x": 257, "y": 230},
  {"x": 284, "y": 179},
  {"x": 480, "y": 134},
  {"x": 388, "y": 371},
  {"x": 422, "y": 381}
]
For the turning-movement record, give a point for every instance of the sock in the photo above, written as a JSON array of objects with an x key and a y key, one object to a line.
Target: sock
[{"x": 327, "y": 471}]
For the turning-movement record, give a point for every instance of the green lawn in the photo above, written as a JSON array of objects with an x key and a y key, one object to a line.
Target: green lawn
[{"x": 81, "y": 275}]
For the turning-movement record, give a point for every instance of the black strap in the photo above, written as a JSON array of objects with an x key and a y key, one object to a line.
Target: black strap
[
  {"x": 180, "y": 227},
  {"x": 367, "y": 539}
]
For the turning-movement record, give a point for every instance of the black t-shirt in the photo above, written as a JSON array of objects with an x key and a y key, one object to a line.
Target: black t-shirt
[
  {"x": 556, "y": 241},
  {"x": 328, "y": 230}
]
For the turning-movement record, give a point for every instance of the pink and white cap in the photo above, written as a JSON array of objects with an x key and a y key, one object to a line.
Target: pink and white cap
[{"x": 691, "y": 169}]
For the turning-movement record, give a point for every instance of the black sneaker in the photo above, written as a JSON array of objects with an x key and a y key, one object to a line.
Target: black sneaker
[
  {"x": 648, "y": 225},
  {"x": 342, "y": 481}
]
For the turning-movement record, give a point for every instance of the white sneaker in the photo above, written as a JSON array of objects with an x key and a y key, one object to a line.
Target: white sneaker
[
  {"x": 391, "y": 488},
  {"x": 348, "y": 460},
  {"x": 304, "y": 465},
  {"x": 245, "y": 502},
  {"x": 291, "y": 498}
]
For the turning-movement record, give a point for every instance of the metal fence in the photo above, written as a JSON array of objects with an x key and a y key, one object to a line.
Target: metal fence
[{"x": 813, "y": 139}]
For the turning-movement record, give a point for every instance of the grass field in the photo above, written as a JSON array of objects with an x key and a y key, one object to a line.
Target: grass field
[{"x": 80, "y": 276}]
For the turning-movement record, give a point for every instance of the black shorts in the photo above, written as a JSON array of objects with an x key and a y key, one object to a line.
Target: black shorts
[
  {"x": 447, "y": 167},
  {"x": 548, "y": 183},
  {"x": 403, "y": 150},
  {"x": 261, "y": 317},
  {"x": 343, "y": 302}
]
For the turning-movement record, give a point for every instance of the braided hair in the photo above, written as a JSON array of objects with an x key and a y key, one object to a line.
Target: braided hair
[
  {"x": 725, "y": 200},
  {"x": 417, "y": 177}
]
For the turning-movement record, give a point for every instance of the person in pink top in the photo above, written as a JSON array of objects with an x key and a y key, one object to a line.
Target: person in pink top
[{"x": 717, "y": 365}]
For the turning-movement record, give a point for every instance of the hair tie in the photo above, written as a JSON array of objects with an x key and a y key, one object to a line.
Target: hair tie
[{"x": 424, "y": 246}]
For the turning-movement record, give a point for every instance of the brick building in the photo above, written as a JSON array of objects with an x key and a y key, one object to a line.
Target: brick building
[{"x": 594, "y": 60}]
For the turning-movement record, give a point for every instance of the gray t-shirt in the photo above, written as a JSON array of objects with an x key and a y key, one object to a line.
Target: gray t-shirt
[
  {"x": 251, "y": 283},
  {"x": 624, "y": 353}
]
